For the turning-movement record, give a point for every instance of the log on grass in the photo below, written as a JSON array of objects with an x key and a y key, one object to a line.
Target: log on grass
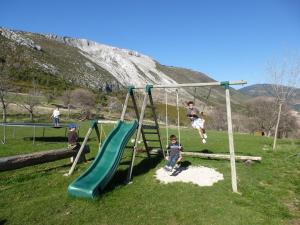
[
  {"x": 20, "y": 161},
  {"x": 221, "y": 156}
]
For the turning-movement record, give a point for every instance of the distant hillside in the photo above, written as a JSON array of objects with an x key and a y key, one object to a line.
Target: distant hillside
[
  {"x": 260, "y": 90},
  {"x": 60, "y": 62}
]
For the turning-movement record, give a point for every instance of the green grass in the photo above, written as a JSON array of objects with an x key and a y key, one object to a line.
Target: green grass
[{"x": 270, "y": 190}]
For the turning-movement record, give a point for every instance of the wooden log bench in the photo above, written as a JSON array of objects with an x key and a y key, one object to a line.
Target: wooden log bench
[
  {"x": 20, "y": 161},
  {"x": 221, "y": 156}
]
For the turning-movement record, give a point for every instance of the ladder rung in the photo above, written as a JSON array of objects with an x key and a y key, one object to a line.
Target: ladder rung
[
  {"x": 149, "y": 127},
  {"x": 150, "y": 133},
  {"x": 153, "y": 140}
]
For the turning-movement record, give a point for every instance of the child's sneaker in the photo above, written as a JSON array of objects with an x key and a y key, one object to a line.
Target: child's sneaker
[
  {"x": 170, "y": 172},
  {"x": 205, "y": 136},
  {"x": 168, "y": 168},
  {"x": 203, "y": 141}
]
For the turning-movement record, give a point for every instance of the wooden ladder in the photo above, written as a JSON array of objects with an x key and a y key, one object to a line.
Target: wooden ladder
[{"x": 145, "y": 129}]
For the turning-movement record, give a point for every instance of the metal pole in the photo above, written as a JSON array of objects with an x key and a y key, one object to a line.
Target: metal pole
[
  {"x": 231, "y": 144},
  {"x": 4, "y": 134},
  {"x": 167, "y": 124},
  {"x": 14, "y": 132},
  {"x": 33, "y": 139},
  {"x": 178, "y": 116},
  {"x": 101, "y": 130}
]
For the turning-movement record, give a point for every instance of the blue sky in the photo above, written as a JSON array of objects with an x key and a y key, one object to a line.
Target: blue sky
[{"x": 228, "y": 40}]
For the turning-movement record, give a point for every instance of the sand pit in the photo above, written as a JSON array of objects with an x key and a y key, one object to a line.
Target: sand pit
[{"x": 202, "y": 176}]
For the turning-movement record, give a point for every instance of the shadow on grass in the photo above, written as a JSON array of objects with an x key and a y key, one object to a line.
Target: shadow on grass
[
  {"x": 120, "y": 177},
  {"x": 2, "y": 222},
  {"x": 50, "y": 139},
  {"x": 184, "y": 165}
]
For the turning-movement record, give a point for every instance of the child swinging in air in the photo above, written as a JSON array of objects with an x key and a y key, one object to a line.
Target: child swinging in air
[
  {"x": 197, "y": 121},
  {"x": 174, "y": 153}
]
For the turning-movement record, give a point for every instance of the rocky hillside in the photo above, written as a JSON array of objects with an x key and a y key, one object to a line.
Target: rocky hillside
[{"x": 63, "y": 61}]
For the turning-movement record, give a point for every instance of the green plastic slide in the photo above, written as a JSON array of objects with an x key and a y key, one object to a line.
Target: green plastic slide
[{"x": 100, "y": 172}]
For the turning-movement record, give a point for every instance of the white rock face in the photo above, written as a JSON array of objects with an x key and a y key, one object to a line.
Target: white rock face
[
  {"x": 128, "y": 67},
  {"x": 9, "y": 34}
]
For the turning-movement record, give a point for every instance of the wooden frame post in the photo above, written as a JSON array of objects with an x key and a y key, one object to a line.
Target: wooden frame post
[
  {"x": 125, "y": 106},
  {"x": 139, "y": 130},
  {"x": 137, "y": 116},
  {"x": 230, "y": 138}
]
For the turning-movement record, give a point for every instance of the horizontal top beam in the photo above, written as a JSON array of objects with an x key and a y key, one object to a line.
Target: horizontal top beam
[{"x": 194, "y": 84}]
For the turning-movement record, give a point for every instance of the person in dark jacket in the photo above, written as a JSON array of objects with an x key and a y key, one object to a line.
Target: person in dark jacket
[{"x": 72, "y": 136}]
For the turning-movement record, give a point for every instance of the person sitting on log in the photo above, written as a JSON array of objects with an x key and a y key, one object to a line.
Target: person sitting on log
[{"x": 73, "y": 143}]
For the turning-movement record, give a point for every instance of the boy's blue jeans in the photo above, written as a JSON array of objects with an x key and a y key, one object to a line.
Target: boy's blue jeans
[
  {"x": 172, "y": 160},
  {"x": 55, "y": 120}
]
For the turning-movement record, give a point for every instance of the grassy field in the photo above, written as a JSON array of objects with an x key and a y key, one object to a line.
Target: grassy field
[{"x": 270, "y": 190}]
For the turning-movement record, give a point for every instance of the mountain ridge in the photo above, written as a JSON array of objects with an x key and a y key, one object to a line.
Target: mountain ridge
[{"x": 87, "y": 63}]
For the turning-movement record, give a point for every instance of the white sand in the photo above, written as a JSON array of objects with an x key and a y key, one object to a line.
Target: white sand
[{"x": 202, "y": 176}]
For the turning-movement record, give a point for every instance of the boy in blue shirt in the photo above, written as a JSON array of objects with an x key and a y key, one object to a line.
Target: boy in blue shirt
[{"x": 174, "y": 153}]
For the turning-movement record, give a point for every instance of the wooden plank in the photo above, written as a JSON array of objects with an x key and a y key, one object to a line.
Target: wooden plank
[
  {"x": 24, "y": 160},
  {"x": 222, "y": 156}
]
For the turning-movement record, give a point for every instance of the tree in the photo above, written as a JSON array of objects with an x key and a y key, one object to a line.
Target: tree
[
  {"x": 84, "y": 99},
  {"x": 31, "y": 100},
  {"x": 5, "y": 88},
  {"x": 50, "y": 95},
  {"x": 287, "y": 123},
  {"x": 262, "y": 112},
  {"x": 218, "y": 119},
  {"x": 67, "y": 98},
  {"x": 285, "y": 78}
]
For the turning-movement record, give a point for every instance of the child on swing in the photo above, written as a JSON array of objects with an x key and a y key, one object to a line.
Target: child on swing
[
  {"x": 197, "y": 121},
  {"x": 174, "y": 153}
]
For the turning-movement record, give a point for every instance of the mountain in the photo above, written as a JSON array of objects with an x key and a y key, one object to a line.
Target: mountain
[
  {"x": 266, "y": 90},
  {"x": 60, "y": 62}
]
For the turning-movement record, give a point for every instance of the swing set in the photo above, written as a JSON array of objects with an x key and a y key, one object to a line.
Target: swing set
[{"x": 150, "y": 134}]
